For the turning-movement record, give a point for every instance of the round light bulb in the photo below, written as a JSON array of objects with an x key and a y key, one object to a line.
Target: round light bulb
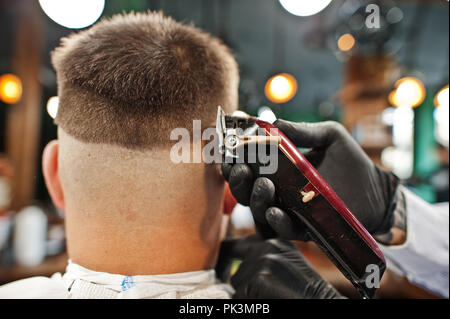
[
  {"x": 281, "y": 88},
  {"x": 409, "y": 92},
  {"x": 73, "y": 14},
  {"x": 304, "y": 8},
  {"x": 10, "y": 88},
  {"x": 346, "y": 42}
]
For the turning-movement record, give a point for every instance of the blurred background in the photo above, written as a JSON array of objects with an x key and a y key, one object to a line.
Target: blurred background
[{"x": 379, "y": 67}]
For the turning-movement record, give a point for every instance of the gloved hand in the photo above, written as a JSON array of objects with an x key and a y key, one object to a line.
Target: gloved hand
[
  {"x": 272, "y": 269},
  {"x": 368, "y": 191}
]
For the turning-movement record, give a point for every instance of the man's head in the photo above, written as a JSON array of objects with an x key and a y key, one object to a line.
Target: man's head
[
  {"x": 132, "y": 79},
  {"x": 123, "y": 86}
]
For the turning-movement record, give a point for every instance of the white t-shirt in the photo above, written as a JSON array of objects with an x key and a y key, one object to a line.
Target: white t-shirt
[
  {"x": 424, "y": 257},
  {"x": 81, "y": 283}
]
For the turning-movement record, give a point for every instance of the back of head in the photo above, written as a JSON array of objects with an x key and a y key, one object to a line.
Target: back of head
[
  {"x": 123, "y": 86},
  {"x": 132, "y": 79}
]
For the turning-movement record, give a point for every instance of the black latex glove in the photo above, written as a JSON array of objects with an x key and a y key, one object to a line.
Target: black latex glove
[
  {"x": 272, "y": 269},
  {"x": 368, "y": 191}
]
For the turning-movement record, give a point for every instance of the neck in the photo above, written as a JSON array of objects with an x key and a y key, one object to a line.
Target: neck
[
  {"x": 137, "y": 213},
  {"x": 142, "y": 250}
]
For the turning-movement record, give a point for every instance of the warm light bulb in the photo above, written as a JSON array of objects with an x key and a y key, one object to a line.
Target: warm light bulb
[
  {"x": 409, "y": 92},
  {"x": 346, "y": 42},
  {"x": 281, "y": 88},
  {"x": 442, "y": 97},
  {"x": 10, "y": 88}
]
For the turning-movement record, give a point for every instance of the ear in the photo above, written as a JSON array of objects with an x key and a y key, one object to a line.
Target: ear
[{"x": 51, "y": 176}]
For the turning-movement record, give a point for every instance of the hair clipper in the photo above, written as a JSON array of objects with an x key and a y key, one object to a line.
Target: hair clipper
[{"x": 305, "y": 196}]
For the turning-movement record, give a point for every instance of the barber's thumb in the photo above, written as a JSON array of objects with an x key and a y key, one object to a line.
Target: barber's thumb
[
  {"x": 263, "y": 285},
  {"x": 241, "y": 181}
]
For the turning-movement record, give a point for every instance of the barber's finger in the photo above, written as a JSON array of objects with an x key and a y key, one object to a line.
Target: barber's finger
[
  {"x": 238, "y": 248},
  {"x": 264, "y": 285},
  {"x": 266, "y": 258},
  {"x": 315, "y": 135},
  {"x": 241, "y": 183},
  {"x": 283, "y": 225},
  {"x": 232, "y": 249},
  {"x": 263, "y": 196},
  {"x": 245, "y": 272}
]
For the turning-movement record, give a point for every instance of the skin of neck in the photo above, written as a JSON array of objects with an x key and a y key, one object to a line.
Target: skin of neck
[
  {"x": 137, "y": 213},
  {"x": 130, "y": 246}
]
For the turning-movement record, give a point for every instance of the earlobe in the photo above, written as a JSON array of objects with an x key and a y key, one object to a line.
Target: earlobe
[{"x": 51, "y": 176}]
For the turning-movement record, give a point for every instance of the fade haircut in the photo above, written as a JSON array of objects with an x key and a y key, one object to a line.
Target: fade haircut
[{"x": 131, "y": 79}]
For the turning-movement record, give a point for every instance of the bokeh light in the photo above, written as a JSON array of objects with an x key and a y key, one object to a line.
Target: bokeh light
[
  {"x": 266, "y": 114},
  {"x": 403, "y": 126},
  {"x": 10, "y": 88},
  {"x": 281, "y": 88},
  {"x": 346, "y": 42},
  {"x": 400, "y": 156},
  {"x": 73, "y": 14},
  {"x": 398, "y": 160},
  {"x": 442, "y": 97},
  {"x": 387, "y": 116},
  {"x": 52, "y": 106},
  {"x": 409, "y": 91},
  {"x": 441, "y": 116},
  {"x": 394, "y": 15},
  {"x": 304, "y": 8}
]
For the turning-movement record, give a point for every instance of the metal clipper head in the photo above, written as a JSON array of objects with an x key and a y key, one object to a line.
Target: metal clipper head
[{"x": 237, "y": 131}]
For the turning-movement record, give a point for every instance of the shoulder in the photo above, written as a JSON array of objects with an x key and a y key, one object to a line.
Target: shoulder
[{"x": 34, "y": 288}]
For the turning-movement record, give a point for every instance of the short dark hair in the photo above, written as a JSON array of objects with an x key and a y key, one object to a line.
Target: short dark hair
[{"x": 131, "y": 79}]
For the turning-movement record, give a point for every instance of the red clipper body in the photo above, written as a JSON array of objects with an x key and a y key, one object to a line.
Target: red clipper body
[{"x": 306, "y": 196}]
